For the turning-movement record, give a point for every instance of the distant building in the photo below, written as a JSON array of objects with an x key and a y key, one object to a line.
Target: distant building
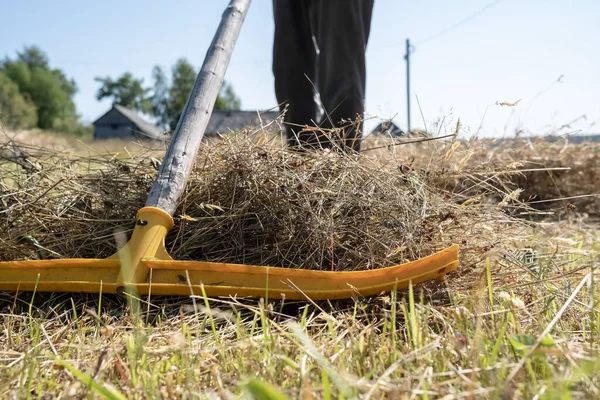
[
  {"x": 123, "y": 123},
  {"x": 388, "y": 128},
  {"x": 120, "y": 123},
  {"x": 223, "y": 122}
]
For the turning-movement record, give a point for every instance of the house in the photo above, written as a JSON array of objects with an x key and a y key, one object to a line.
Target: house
[
  {"x": 388, "y": 128},
  {"x": 223, "y": 122},
  {"x": 121, "y": 123}
]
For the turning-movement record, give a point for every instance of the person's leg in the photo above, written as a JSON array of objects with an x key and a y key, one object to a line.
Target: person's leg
[
  {"x": 342, "y": 37},
  {"x": 294, "y": 60}
]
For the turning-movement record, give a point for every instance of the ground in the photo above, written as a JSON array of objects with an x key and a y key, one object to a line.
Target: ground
[{"x": 519, "y": 319}]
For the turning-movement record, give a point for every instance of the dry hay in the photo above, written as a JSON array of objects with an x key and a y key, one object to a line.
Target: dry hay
[
  {"x": 244, "y": 196},
  {"x": 560, "y": 175},
  {"x": 553, "y": 175},
  {"x": 248, "y": 203}
]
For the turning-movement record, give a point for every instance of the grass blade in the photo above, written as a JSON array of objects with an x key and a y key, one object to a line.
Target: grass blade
[
  {"x": 312, "y": 351},
  {"x": 107, "y": 393},
  {"x": 263, "y": 391}
]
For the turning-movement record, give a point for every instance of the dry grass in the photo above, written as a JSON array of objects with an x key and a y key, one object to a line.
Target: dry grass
[
  {"x": 65, "y": 143},
  {"x": 246, "y": 203},
  {"x": 518, "y": 320},
  {"x": 555, "y": 176}
]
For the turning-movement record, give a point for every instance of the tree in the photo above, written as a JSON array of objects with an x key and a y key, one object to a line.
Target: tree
[
  {"x": 33, "y": 56},
  {"x": 168, "y": 101},
  {"x": 126, "y": 91},
  {"x": 16, "y": 111},
  {"x": 182, "y": 82},
  {"x": 69, "y": 86},
  {"x": 227, "y": 99},
  {"x": 54, "y": 106},
  {"x": 160, "y": 95},
  {"x": 167, "y": 98},
  {"x": 19, "y": 73},
  {"x": 48, "y": 89}
]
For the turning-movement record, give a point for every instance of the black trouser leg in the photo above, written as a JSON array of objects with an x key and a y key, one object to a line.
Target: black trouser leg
[
  {"x": 342, "y": 36},
  {"x": 341, "y": 30},
  {"x": 294, "y": 63}
]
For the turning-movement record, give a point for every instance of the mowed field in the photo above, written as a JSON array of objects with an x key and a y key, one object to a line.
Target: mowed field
[{"x": 520, "y": 318}]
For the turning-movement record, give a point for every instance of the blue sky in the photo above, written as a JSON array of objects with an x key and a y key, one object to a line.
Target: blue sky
[{"x": 516, "y": 49}]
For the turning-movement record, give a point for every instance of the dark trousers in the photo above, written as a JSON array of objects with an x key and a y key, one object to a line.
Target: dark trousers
[{"x": 319, "y": 47}]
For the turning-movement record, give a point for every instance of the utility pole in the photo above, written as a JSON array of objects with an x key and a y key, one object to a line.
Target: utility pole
[{"x": 409, "y": 49}]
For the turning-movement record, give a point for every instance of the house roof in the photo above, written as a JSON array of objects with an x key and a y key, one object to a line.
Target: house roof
[
  {"x": 388, "y": 128},
  {"x": 144, "y": 126},
  {"x": 222, "y": 122}
]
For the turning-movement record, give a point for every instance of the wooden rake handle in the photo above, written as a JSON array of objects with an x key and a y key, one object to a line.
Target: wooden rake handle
[{"x": 178, "y": 161}]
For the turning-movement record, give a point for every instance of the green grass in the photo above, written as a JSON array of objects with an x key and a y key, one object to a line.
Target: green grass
[
  {"x": 520, "y": 329},
  {"x": 510, "y": 323}
]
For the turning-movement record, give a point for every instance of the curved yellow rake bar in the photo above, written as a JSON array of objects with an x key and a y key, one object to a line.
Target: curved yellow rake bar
[{"x": 145, "y": 266}]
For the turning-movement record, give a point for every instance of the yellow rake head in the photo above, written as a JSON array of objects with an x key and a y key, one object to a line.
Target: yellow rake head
[{"x": 143, "y": 264}]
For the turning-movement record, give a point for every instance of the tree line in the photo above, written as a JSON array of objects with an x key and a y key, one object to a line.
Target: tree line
[
  {"x": 164, "y": 98},
  {"x": 33, "y": 94}
]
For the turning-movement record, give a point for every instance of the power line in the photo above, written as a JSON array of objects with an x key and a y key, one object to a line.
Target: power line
[
  {"x": 460, "y": 23},
  {"x": 410, "y": 49},
  {"x": 442, "y": 32}
]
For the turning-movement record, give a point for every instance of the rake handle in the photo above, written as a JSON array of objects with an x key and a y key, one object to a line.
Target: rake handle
[{"x": 180, "y": 156}]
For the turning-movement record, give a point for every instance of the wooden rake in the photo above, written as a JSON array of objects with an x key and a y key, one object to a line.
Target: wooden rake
[{"x": 143, "y": 265}]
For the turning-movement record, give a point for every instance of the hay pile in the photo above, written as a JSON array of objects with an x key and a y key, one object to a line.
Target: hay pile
[
  {"x": 246, "y": 203},
  {"x": 555, "y": 176},
  {"x": 562, "y": 176},
  {"x": 552, "y": 175}
]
